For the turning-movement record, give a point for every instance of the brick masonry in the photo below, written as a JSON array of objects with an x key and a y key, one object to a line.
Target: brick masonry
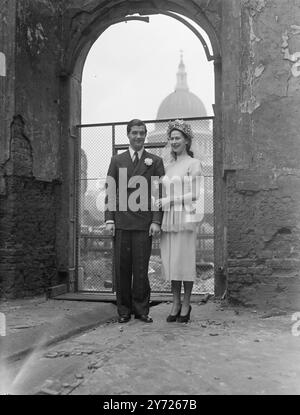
[
  {"x": 27, "y": 223},
  {"x": 263, "y": 242}
]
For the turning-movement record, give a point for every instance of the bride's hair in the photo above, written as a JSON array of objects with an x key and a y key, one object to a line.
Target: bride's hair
[{"x": 188, "y": 146}]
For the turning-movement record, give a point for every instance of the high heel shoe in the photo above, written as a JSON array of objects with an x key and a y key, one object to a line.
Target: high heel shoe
[
  {"x": 185, "y": 319},
  {"x": 171, "y": 319}
]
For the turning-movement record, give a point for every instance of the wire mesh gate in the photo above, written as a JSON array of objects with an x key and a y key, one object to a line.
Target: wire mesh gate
[{"x": 95, "y": 258}]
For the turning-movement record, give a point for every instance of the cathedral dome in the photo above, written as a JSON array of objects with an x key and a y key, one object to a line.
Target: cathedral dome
[{"x": 181, "y": 103}]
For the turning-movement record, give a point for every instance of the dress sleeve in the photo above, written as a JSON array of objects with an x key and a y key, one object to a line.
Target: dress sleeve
[{"x": 195, "y": 169}]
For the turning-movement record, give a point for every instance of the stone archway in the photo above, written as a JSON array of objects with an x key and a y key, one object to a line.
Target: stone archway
[
  {"x": 257, "y": 138},
  {"x": 81, "y": 29}
]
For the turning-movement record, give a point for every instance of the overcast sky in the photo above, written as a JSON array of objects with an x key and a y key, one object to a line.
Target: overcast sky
[
  {"x": 132, "y": 67},
  {"x": 129, "y": 70}
]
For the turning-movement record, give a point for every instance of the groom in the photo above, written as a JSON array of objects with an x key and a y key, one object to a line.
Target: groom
[{"x": 131, "y": 220}]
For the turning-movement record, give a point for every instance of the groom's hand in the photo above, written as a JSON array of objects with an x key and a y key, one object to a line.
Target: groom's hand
[{"x": 154, "y": 229}]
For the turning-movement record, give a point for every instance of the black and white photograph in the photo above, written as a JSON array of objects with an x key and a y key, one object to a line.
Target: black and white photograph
[{"x": 149, "y": 201}]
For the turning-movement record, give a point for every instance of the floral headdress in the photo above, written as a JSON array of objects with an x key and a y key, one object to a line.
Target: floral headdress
[{"x": 182, "y": 126}]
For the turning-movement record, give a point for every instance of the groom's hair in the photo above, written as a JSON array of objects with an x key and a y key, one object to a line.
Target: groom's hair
[{"x": 134, "y": 123}]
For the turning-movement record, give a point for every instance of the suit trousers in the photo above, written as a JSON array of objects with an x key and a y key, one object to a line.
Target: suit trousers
[{"x": 132, "y": 254}]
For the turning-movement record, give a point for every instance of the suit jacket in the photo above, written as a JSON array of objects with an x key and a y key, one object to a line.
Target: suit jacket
[{"x": 126, "y": 177}]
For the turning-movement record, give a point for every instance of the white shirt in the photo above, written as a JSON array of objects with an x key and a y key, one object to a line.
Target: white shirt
[{"x": 132, "y": 151}]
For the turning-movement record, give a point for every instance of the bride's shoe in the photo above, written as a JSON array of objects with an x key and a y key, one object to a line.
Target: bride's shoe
[
  {"x": 171, "y": 318},
  {"x": 185, "y": 319}
]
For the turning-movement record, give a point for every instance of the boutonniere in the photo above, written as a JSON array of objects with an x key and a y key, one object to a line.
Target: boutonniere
[{"x": 148, "y": 162}]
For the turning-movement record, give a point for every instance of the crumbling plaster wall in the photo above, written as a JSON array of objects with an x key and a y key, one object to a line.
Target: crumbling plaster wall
[
  {"x": 7, "y": 76},
  {"x": 262, "y": 152},
  {"x": 38, "y": 59},
  {"x": 30, "y": 135}
]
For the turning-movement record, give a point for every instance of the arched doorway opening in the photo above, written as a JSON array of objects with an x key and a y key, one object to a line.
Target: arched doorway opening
[{"x": 75, "y": 62}]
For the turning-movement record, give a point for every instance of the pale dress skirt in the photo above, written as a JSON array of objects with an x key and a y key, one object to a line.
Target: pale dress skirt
[
  {"x": 178, "y": 238},
  {"x": 178, "y": 255}
]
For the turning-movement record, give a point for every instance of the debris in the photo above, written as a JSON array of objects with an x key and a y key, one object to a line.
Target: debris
[
  {"x": 250, "y": 377},
  {"x": 216, "y": 377},
  {"x": 79, "y": 376},
  {"x": 214, "y": 322},
  {"x": 214, "y": 334},
  {"x": 22, "y": 327},
  {"x": 75, "y": 384},
  {"x": 66, "y": 385},
  {"x": 274, "y": 313},
  {"x": 203, "y": 325},
  {"x": 61, "y": 353},
  {"x": 51, "y": 355},
  {"x": 92, "y": 365},
  {"x": 257, "y": 340},
  {"x": 47, "y": 391},
  {"x": 204, "y": 299},
  {"x": 48, "y": 388}
]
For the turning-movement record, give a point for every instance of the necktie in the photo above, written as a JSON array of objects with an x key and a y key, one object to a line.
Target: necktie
[{"x": 136, "y": 159}]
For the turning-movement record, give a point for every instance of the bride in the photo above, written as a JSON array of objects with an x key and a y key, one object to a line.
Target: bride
[{"x": 182, "y": 188}]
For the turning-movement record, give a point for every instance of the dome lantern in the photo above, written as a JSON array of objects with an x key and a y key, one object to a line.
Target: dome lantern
[
  {"x": 181, "y": 103},
  {"x": 181, "y": 76}
]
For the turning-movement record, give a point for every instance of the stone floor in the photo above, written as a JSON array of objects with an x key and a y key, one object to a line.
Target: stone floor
[{"x": 222, "y": 350}]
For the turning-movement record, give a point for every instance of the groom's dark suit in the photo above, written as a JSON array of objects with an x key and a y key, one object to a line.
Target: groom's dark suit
[{"x": 132, "y": 240}]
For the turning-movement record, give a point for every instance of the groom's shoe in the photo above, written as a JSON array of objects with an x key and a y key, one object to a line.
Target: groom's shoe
[
  {"x": 144, "y": 318},
  {"x": 124, "y": 319}
]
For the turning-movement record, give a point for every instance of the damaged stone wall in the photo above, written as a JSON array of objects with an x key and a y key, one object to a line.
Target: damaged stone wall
[
  {"x": 30, "y": 133},
  {"x": 38, "y": 65},
  {"x": 27, "y": 223},
  {"x": 262, "y": 154},
  {"x": 7, "y": 74}
]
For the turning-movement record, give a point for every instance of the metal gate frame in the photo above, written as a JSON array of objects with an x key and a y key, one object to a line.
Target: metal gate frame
[{"x": 115, "y": 148}]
